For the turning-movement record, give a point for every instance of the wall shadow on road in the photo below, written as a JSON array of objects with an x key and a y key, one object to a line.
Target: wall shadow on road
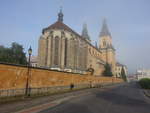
[
  {"x": 123, "y": 99},
  {"x": 134, "y": 85}
]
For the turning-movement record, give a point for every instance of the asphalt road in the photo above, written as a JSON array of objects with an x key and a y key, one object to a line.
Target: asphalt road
[{"x": 126, "y": 98}]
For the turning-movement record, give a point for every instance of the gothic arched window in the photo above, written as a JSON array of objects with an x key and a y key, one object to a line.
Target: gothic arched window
[
  {"x": 56, "y": 57},
  {"x": 66, "y": 45}
]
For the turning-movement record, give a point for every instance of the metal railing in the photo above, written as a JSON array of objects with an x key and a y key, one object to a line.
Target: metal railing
[
  {"x": 48, "y": 90},
  {"x": 41, "y": 90}
]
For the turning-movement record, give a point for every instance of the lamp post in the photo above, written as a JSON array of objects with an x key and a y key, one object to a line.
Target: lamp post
[
  {"x": 27, "y": 92},
  {"x": 112, "y": 80}
]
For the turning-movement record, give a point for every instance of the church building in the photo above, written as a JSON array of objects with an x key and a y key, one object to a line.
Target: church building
[{"x": 61, "y": 48}]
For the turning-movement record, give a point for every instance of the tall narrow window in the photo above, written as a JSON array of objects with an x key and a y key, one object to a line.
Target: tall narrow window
[
  {"x": 56, "y": 57},
  {"x": 51, "y": 50},
  {"x": 46, "y": 54},
  {"x": 65, "y": 62}
]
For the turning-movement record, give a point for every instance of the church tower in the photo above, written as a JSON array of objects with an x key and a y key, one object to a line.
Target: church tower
[
  {"x": 106, "y": 47},
  {"x": 85, "y": 33}
]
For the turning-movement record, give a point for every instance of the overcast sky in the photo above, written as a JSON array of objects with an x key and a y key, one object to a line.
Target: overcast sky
[{"x": 128, "y": 20}]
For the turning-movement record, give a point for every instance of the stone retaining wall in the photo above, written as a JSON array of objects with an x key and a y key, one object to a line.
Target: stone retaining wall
[{"x": 14, "y": 77}]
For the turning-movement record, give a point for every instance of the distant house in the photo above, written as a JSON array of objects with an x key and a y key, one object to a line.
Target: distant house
[
  {"x": 118, "y": 69},
  {"x": 33, "y": 61},
  {"x": 131, "y": 78},
  {"x": 143, "y": 73}
]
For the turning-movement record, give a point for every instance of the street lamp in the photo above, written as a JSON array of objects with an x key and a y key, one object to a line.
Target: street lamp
[
  {"x": 27, "y": 92},
  {"x": 112, "y": 80},
  {"x": 30, "y": 51}
]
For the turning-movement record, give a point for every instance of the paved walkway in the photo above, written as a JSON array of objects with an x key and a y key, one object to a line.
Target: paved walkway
[
  {"x": 31, "y": 103},
  {"x": 124, "y": 98},
  {"x": 127, "y": 98}
]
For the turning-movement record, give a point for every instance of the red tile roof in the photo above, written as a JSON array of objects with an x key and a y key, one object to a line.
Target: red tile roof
[{"x": 60, "y": 25}]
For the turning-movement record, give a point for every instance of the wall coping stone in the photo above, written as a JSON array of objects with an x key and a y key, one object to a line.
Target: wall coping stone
[{"x": 40, "y": 68}]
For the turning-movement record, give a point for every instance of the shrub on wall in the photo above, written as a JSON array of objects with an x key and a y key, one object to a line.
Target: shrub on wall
[
  {"x": 123, "y": 74},
  {"x": 145, "y": 83},
  {"x": 108, "y": 71}
]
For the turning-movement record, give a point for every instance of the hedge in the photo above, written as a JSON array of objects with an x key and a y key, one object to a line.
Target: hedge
[{"x": 145, "y": 83}]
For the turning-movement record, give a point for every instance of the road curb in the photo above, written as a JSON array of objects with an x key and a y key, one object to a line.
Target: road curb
[
  {"x": 38, "y": 108},
  {"x": 146, "y": 93}
]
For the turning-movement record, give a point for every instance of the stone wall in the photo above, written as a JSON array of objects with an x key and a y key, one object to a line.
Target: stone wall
[
  {"x": 14, "y": 77},
  {"x": 94, "y": 56}
]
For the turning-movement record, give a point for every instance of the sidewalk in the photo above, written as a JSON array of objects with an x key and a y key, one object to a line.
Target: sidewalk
[
  {"x": 31, "y": 102},
  {"x": 26, "y": 104}
]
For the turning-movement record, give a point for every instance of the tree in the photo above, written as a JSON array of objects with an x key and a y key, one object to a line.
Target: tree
[
  {"x": 5, "y": 54},
  {"x": 107, "y": 71},
  {"x": 14, "y": 54},
  {"x": 123, "y": 74},
  {"x": 18, "y": 54}
]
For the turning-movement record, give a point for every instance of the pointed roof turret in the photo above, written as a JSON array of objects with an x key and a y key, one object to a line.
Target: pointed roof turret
[
  {"x": 104, "y": 30},
  {"x": 96, "y": 44},
  {"x": 60, "y": 15},
  {"x": 85, "y": 32}
]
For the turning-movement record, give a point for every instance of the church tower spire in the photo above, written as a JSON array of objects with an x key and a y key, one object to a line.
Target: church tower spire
[
  {"x": 60, "y": 16},
  {"x": 105, "y": 37},
  {"x": 105, "y": 30},
  {"x": 106, "y": 46},
  {"x": 96, "y": 45},
  {"x": 85, "y": 32}
]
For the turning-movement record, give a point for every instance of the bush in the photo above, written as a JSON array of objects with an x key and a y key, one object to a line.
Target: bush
[
  {"x": 108, "y": 71},
  {"x": 145, "y": 83}
]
